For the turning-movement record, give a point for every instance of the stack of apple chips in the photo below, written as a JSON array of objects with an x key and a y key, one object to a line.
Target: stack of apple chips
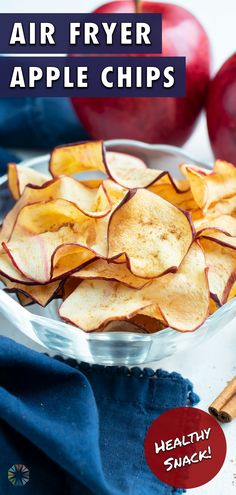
[{"x": 136, "y": 245}]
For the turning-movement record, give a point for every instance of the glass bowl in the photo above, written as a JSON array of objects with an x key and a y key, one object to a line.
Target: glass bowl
[{"x": 43, "y": 325}]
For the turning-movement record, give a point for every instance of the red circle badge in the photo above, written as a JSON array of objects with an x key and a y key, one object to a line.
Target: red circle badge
[{"x": 185, "y": 447}]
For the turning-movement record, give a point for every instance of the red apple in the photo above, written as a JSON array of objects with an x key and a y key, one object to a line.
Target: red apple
[
  {"x": 163, "y": 120},
  {"x": 221, "y": 111}
]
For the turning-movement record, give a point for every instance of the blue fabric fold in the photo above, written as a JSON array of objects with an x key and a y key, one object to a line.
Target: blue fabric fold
[
  {"x": 80, "y": 429},
  {"x": 36, "y": 123}
]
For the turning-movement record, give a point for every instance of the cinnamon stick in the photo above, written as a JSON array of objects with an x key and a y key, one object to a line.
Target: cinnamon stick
[{"x": 224, "y": 406}]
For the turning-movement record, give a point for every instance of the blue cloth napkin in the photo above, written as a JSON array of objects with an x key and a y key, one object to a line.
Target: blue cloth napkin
[
  {"x": 77, "y": 428},
  {"x": 36, "y": 123}
]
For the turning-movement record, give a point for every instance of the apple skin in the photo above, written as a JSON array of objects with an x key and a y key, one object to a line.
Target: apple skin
[
  {"x": 221, "y": 111},
  {"x": 155, "y": 120}
]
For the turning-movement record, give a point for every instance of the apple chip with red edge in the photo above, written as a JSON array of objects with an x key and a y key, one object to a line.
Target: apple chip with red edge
[
  {"x": 223, "y": 223},
  {"x": 221, "y": 261},
  {"x": 93, "y": 203},
  {"x": 49, "y": 216},
  {"x": 40, "y": 294},
  {"x": 211, "y": 186},
  {"x": 79, "y": 157},
  {"x": 46, "y": 256},
  {"x": 183, "y": 297},
  {"x": 24, "y": 300},
  {"x": 114, "y": 192},
  {"x": 153, "y": 234},
  {"x": 232, "y": 292},
  {"x": 147, "y": 323},
  {"x": 181, "y": 198},
  {"x": 130, "y": 172},
  {"x": 111, "y": 271},
  {"x": 19, "y": 176},
  {"x": 94, "y": 303},
  {"x": 9, "y": 270},
  {"x": 97, "y": 302}
]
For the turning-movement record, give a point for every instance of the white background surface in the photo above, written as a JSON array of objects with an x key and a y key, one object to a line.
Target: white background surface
[{"x": 209, "y": 366}]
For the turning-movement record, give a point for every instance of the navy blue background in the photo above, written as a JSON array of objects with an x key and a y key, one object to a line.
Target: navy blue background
[
  {"x": 95, "y": 87},
  {"x": 61, "y": 23}
]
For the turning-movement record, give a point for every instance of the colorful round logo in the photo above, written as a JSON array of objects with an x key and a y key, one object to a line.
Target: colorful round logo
[
  {"x": 18, "y": 475},
  {"x": 185, "y": 447}
]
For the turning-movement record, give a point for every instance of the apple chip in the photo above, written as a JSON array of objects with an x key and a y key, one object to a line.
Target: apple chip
[
  {"x": 223, "y": 207},
  {"x": 152, "y": 233},
  {"x": 94, "y": 203},
  {"x": 49, "y": 255},
  {"x": 211, "y": 186},
  {"x": 49, "y": 216},
  {"x": 123, "y": 161},
  {"x": 147, "y": 323},
  {"x": 232, "y": 292},
  {"x": 223, "y": 223},
  {"x": 214, "y": 305},
  {"x": 126, "y": 247},
  {"x": 110, "y": 271},
  {"x": 40, "y": 294},
  {"x": 70, "y": 257},
  {"x": 114, "y": 192},
  {"x": 221, "y": 261},
  {"x": 91, "y": 156},
  {"x": 9, "y": 270},
  {"x": 19, "y": 176},
  {"x": 70, "y": 284},
  {"x": 153, "y": 311},
  {"x": 96, "y": 302},
  {"x": 24, "y": 300},
  {"x": 123, "y": 326},
  {"x": 181, "y": 198},
  {"x": 76, "y": 158}
]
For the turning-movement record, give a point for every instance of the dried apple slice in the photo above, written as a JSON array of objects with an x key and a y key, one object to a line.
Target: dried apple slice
[
  {"x": 24, "y": 300},
  {"x": 9, "y": 270},
  {"x": 232, "y": 292},
  {"x": 110, "y": 271},
  {"x": 221, "y": 229},
  {"x": 19, "y": 176},
  {"x": 123, "y": 326},
  {"x": 147, "y": 323},
  {"x": 91, "y": 183},
  {"x": 70, "y": 284},
  {"x": 123, "y": 161},
  {"x": 153, "y": 311},
  {"x": 223, "y": 207},
  {"x": 49, "y": 216},
  {"x": 40, "y": 294},
  {"x": 218, "y": 235},
  {"x": 127, "y": 174},
  {"x": 223, "y": 223},
  {"x": 181, "y": 198},
  {"x": 214, "y": 305},
  {"x": 70, "y": 257},
  {"x": 93, "y": 203},
  {"x": 49, "y": 255},
  {"x": 177, "y": 293},
  {"x": 221, "y": 261},
  {"x": 96, "y": 302},
  {"x": 114, "y": 192},
  {"x": 79, "y": 157},
  {"x": 152, "y": 233},
  {"x": 211, "y": 186},
  {"x": 126, "y": 170}
]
